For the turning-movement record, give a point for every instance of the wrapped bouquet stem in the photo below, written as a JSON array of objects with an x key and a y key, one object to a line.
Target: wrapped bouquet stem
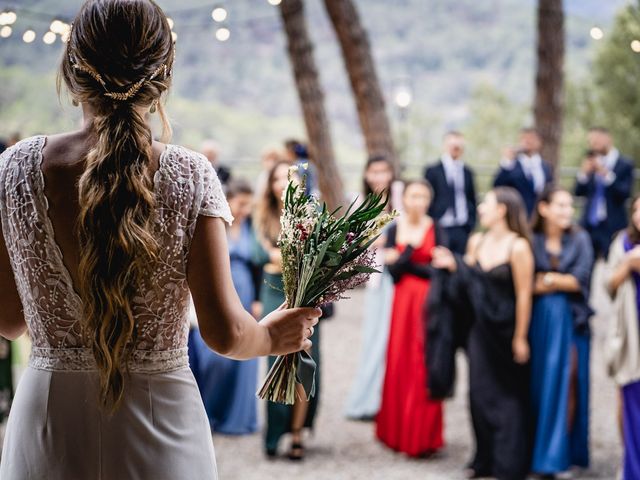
[{"x": 323, "y": 256}]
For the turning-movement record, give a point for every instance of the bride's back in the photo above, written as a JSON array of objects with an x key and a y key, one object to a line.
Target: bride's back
[{"x": 38, "y": 182}]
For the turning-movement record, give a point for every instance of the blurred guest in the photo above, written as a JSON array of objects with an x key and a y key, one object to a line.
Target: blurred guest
[
  {"x": 524, "y": 169},
  {"x": 454, "y": 193},
  {"x": 270, "y": 156},
  {"x": 364, "y": 399},
  {"x": 228, "y": 386},
  {"x": 497, "y": 276},
  {"x": 211, "y": 150},
  {"x": 623, "y": 338},
  {"x": 605, "y": 180},
  {"x": 281, "y": 419},
  {"x": 409, "y": 421},
  {"x": 6, "y": 379},
  {"x": 298, "y": 153},
  {"x": 559, "y": 336}
]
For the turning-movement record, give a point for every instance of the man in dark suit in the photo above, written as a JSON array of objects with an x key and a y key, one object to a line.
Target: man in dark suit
[
  {"x": 524, "y": 169},
  {"x": 454, "y": 193},
  {"x": 605, "y": 180}
]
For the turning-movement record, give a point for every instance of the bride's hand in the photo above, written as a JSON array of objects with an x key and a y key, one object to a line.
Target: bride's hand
[{"x": 290, "y": 328}]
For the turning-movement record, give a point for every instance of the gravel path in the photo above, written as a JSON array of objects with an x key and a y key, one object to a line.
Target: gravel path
[{"x": 347, "y": 450}]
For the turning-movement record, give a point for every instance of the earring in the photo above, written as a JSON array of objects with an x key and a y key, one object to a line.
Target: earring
[
  {"x": 153, "y": 107},
  {"x": 75, "y": 102}
]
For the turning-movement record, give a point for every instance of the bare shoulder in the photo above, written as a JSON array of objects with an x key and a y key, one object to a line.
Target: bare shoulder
[
  {"x": 521, "y": 246},
  {"x": 474, "y": 240}
]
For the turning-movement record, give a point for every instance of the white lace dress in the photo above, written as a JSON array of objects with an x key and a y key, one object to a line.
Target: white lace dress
[{"x": 56, "y": 429}]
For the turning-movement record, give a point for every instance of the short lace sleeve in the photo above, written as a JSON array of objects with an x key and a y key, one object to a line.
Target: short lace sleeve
[{"x": 214, "y": 202}]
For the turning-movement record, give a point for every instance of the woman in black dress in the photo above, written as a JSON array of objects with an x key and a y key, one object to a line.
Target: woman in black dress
[{"x": 497, "y": 275}]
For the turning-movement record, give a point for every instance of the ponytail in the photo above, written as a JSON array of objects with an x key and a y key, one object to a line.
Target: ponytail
[{"x": 115, "y": 233}]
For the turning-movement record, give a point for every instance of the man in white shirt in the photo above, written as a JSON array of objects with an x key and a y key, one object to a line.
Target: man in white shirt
[{"x": 454, "y": 197}]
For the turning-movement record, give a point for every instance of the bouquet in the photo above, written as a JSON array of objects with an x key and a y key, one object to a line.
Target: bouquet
[{"x": 323, "y": 256}]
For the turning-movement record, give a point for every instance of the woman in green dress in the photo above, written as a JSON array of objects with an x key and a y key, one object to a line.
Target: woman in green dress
[{"x": 281, "y": 419}]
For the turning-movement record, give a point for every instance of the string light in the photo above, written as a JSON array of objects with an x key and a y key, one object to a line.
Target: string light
[
  {"x": 57, "y": 26},
  {"x": 29, "y": 36},
  {"x": 223, "y": 34},
  {"x": 403, "y": 97},
  {"x": 49, "y": 38},
  {"x": 219, "y": 14},
  {"x": 6, "y": 31},
  {"x": 635, "y": 46},
  {"x": 596, "y": 33},
  {"x": 174, "y": 36},
  {"x": 8, "y": 18},
  {"x": 275, "y": 2},
  {"x": 170, "y": 22}
]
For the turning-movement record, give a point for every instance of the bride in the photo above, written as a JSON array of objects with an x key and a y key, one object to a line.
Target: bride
[{"x": 105, "y": 234}]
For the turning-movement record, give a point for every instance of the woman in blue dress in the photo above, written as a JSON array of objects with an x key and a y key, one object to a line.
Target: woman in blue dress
[
  {"x": 366, "y": 392},
  {"x": 559, "y": 336},
  {"x": 623, "y": 335},
  {"x": 228, "y": 386}
]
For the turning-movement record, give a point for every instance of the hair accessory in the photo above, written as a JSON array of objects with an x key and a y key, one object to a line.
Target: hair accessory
[{"x": 120, "y": 96}]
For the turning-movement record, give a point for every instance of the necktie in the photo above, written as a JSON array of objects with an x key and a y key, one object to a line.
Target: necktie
[{"x": 596, "y": 202}]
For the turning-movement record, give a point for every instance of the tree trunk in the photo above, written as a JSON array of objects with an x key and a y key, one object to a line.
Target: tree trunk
[
  {"x": 356, "y": 53},
  {"x": 312, "y": 101},
  {"x": 549, "y": 101}
]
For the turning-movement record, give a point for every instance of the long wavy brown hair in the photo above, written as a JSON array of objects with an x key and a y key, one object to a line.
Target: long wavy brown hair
[
  {"x": 516, "y": 215},
  {"x": 116, "y": 45},
  {"x": 269, "y": 208}
]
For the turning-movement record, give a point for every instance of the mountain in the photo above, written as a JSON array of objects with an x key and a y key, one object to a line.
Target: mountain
[{"x": 241, "y": 91}]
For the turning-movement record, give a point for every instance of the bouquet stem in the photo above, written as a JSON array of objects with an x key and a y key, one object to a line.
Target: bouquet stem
[{"x": 280, "y": 384}]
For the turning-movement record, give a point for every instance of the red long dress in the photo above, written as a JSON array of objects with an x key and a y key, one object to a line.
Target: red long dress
[{"x": 409, "y": 421}]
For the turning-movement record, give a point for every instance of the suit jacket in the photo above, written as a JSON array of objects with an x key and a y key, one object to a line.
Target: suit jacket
[
  {"x": 516, "y": 178},
  {"x": 615, "y": 195},
  {"x": 444, "y": 194}
]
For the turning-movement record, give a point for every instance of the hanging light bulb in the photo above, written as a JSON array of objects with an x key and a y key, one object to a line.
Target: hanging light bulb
[
  {"x": 219, "y": 14},
  {"x": 223, "y": 34},
  {"x": 49, "y": 38},
  {"x": 6, "y": 31},
  {"x": 596, "y": 33},
  {"x": 57, "y": 26},
  {"x": 174, "y": 36},
  {"x": 635, "y": 46},
  {"x": 29, "y": 36},
  {"x": 8, "y": 18},
  {"x": 275, "y": 2},
  {"x": 170, "y": 22}
]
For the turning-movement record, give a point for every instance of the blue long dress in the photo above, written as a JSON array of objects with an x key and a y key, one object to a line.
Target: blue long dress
[
  {"x": 559, "y": 326},
  {"x": 631, "y": 406},
  {"x": 227, "y": 386},
  {"x": 366, "y": 391}
]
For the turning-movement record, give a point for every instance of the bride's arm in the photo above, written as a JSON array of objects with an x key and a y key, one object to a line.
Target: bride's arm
[
  {"x": 12, "y": 323},
  {"x": 224, "y": 323}
]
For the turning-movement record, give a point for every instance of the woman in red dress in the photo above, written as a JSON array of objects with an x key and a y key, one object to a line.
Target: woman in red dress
[{"x": 409, "y": 420}]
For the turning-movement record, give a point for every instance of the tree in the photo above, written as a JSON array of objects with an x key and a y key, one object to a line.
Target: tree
[
  {"x": 312, "y": 101},
  {"x": 549, "y": 99},
  {"x": 356, "y": 52},
  {"x": 616, "y": 71},
  {"x": 493, "y": 119}
]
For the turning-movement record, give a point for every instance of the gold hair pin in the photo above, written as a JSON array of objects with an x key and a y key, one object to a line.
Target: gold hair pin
[{"x": 120, "y": 96}]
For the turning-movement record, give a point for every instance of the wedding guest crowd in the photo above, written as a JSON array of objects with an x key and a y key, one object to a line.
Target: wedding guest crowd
[
  {"x": 514, "y": 296},
  {"x": 525, "y": 283}
]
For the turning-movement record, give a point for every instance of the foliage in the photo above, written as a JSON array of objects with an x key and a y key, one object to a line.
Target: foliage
[
  {"x": 616, "y": 71},
  {"x": 324, "y": 255}
]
